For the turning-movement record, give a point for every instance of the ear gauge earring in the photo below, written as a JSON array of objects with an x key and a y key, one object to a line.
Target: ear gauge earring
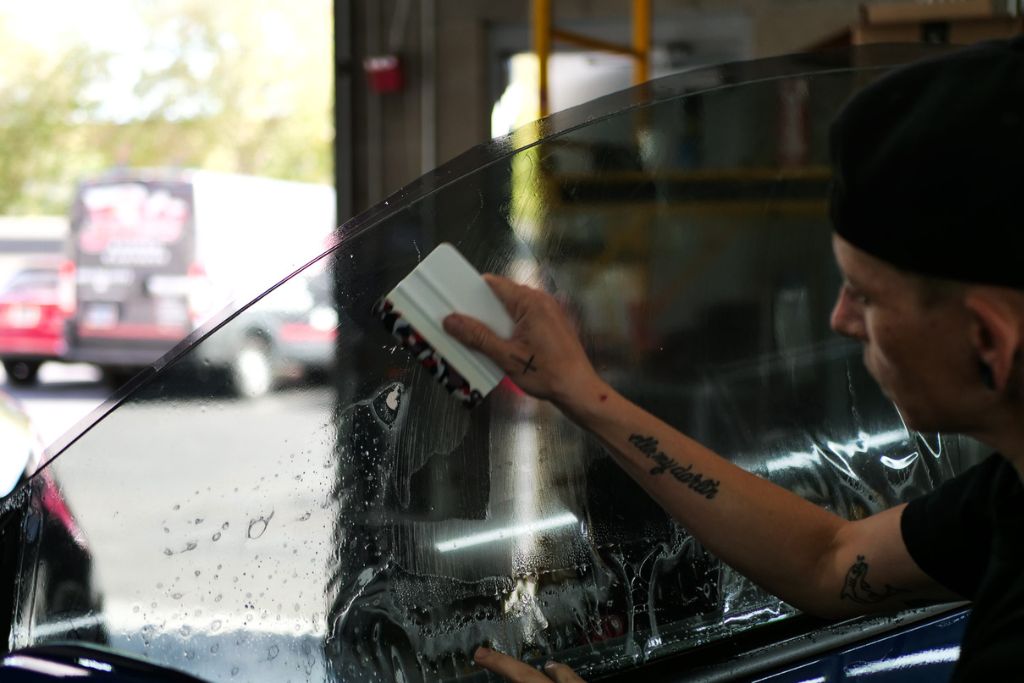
[{"x": 986, "y": 375}]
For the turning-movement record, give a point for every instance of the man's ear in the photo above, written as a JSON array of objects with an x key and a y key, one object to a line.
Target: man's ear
[{"x": 995, "y": 333}]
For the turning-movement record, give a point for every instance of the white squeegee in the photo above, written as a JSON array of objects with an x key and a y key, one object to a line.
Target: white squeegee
[{"x": 445, "y": 283}]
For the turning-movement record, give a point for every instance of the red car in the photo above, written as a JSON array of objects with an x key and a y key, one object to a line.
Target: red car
[{"x": 31, "y": 321}]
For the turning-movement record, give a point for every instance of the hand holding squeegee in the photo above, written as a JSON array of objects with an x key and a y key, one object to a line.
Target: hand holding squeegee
[
  {"x": 414, "y": 311},
  {"x": 485, "y": 326}
]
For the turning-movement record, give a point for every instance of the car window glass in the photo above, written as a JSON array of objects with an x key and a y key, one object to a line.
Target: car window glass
[
  {"x": 359, "y": 524},
  {"x": 41, "y": 279}
]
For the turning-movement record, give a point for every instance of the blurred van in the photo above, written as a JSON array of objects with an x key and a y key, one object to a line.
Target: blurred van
[{"x": 154, "y": 253}]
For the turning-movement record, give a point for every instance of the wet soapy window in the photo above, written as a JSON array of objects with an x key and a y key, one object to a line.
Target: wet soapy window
[{"x": 362, "y": 525}]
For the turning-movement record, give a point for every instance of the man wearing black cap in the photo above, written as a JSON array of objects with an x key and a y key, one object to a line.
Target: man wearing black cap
[{"x": 929, "y": 236}]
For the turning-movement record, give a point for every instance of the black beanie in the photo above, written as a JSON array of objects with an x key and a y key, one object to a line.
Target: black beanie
[{"x": 928, "y": 166}]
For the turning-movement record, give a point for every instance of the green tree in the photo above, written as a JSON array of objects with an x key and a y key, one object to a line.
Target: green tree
[
  {"x": 43, "y": 100},
  {"x": 235, "y": 85}
]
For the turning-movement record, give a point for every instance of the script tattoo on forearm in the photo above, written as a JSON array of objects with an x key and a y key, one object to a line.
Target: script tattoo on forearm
[
  {"x": 856, "y": 587},
  {"x": 684, "y": 474}
]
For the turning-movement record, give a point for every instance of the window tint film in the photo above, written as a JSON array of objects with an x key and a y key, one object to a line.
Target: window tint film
[{"x": 364, "y": 525}]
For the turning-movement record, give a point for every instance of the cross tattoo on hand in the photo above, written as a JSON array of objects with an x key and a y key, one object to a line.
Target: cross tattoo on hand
[{"x": 527, "y": 364}]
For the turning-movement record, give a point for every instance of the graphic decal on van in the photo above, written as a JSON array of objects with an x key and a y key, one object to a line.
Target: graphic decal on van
[{"x": 131, "y": 224}]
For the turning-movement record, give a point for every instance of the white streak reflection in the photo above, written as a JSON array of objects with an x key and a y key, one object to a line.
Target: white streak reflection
[
  {"x": 939, "y": 656},
  {"x": 900, "y": 463},
  {"x": 93, "y": 664},
  {"x": 43, "y": 666},
  {"x": 862, "y": 444},
  {"x": 528, "y": 529},
  {"x": 889, "y": 438}
]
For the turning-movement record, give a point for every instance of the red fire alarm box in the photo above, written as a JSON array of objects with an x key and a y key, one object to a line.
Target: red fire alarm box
[{"x": 384, "y": 73}]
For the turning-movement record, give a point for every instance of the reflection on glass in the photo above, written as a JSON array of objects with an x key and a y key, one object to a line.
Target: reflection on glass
[
  {"x": 906, "y": 662},
  {"x": 371, "y": 528},
  {"x": 525, "y": 529}
]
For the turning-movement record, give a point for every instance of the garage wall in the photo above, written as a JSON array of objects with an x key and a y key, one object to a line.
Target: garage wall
[{"x": 454, "y": 74}]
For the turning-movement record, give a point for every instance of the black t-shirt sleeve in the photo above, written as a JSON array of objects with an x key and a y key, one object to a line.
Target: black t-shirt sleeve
[{"x": 948, "y": 531}]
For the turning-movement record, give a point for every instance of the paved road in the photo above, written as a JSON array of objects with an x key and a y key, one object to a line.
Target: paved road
[{"x": 65, "y": 394}]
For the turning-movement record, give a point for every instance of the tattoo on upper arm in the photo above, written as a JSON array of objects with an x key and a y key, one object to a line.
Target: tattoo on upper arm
[
  {"x": 857, "y": 588},
  {"x": 684, "y": 474},
  {"x": 528, "y": 365}
]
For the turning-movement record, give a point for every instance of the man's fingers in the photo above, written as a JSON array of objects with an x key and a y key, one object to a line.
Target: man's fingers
[
  {"x": 507, "y": 291},
  {"x": 475, "y": 335},
  {"x": 502, "y": 286},
  {"x": 561, "y": 673},
  {"x": 518, "y": 672},
  {"x": 508, "y": 667}
]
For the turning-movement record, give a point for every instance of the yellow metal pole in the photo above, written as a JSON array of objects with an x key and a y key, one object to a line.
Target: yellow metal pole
[
  {"x": 581, "y": 40},
  {"x": 542, "y": 47},
  {"x": 641, "y": 39}
]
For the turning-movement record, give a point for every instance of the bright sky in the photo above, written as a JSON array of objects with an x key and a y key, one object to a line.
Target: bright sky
[
  {"x": 111, "y": 24},
  {"x": 116, "y": 28}
]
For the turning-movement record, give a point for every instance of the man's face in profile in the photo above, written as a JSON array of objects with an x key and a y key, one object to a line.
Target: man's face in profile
[{"x": 918, "y": 351}]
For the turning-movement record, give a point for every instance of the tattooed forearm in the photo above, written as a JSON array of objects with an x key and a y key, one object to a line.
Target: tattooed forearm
[
  {"x": 527, "y": 364},
  {"x": 684, "y": 474},
  {"x": 856, "y": 587}
]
